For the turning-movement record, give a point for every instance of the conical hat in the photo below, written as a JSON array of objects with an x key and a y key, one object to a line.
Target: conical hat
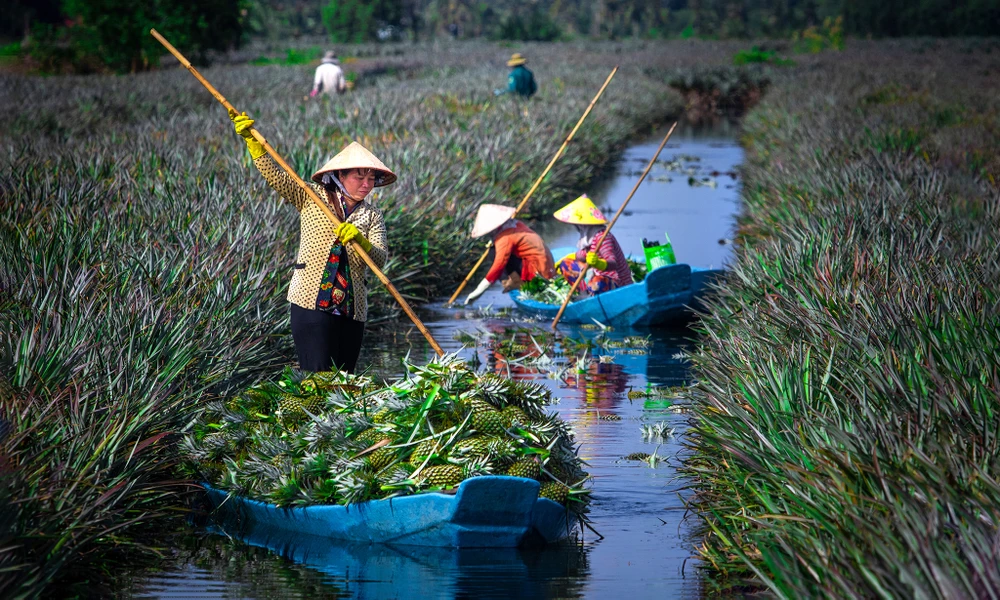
[
  {"x": 581, "y": 212},
  {"x": 356, "y": 156},
  {"x": 490, "y": 217},
  {"x": 516, "y": 59}
]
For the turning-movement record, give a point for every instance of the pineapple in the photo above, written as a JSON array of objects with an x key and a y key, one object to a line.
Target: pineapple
[
  {"x": 513, "y": 414},
  {"x": 487, "y": 419},
  {"x": 553, "y": 490},
  {"x": 526, "y": 467},
  {"x": 473, "y": 446},
  {"x": 382, "y": 416},
  {"x": 422, "y": 451},
  {"x": 381, "y": 458},
  {"x": 442, "y": 475},
  {"x": 371, "y": 436}
]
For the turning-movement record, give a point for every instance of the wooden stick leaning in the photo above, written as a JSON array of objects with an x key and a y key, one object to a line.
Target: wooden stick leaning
[
  {"x": 309, "y": 191},
  {"x": 537, "y": 181},
  {"x": 604, "y": 234}
]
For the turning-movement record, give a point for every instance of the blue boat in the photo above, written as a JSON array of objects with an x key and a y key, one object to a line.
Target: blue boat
[
  {"x": 667, "y": 294},
  {"x": 484, "y": 512}
]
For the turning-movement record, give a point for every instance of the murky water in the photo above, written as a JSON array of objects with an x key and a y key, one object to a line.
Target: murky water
[{"x": 637, "y": 506}]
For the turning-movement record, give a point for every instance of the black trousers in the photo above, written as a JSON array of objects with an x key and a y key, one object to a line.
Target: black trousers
[{"x": 324, "y": 340}]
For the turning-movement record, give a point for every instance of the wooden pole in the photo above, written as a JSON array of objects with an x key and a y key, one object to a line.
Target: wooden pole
[
  {"x": 312, "y": 193},
  {"x": 604, "y": 234},
  {"x": 539, "y": 180}
]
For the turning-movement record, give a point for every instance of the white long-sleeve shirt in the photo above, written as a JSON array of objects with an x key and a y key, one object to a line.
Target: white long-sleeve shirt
[{"x": 329, "y": 79}]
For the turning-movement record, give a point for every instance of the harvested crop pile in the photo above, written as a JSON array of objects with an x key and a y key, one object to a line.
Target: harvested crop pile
[
  {"x": 334, "y": 438},
  {"x": 556, "y": 290}
]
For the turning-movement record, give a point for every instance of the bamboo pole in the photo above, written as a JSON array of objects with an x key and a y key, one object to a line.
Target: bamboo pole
[
  {"x": 537, "y": 181},
  {"x": 604, "y": 234},
  {"x": 311, "y": 193}
]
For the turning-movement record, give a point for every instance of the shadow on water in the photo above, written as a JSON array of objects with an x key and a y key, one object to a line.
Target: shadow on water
[{"x": 615, "y": 387}]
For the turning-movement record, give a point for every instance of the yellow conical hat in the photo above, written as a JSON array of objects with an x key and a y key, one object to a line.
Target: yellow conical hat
[
  {"x": 581, "y": 212},
  {"x": 516, "y": 59},
  {"x": 490, "y": 217},
  {"x": 356, "y": 156}
]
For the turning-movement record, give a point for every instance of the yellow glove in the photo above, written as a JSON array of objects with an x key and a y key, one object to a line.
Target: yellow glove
[
  {"x": 243, "y": 124},
  {"x": 597, "y": 262},
  {"x": 347, "y": 232}
]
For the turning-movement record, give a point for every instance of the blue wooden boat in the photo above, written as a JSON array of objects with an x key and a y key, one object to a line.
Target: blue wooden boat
[
  {"x": 666, "y": 294},
  {"x": 484, "y": 512}
]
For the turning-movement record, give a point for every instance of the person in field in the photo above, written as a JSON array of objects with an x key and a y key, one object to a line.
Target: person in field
[
  {"x": 608, "y": 267},
  {"x": 521, "y": 81},
  {"x": 517, "y": 251},
  {"x": 329, "y": 287},
  {"x": 329, "y": 78}
]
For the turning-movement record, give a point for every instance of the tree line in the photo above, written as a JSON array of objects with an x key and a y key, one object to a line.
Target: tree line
[{"x": 113, "y": 34}]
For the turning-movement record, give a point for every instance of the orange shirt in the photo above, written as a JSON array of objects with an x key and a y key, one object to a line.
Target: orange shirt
[{"x": 522, "y": 242}]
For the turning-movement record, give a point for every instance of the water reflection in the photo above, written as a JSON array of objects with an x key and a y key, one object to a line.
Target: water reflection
[{"x": 383, "y": 571}]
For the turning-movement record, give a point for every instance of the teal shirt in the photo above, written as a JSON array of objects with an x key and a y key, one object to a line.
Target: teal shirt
[{"x": 521, "y": 81}]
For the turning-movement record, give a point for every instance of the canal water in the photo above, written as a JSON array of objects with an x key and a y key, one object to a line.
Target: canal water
[{"x": 616, "y": 397}]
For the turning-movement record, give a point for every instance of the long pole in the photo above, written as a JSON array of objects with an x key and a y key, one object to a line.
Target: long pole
[
  {"x": 538, "y": 181},
  {"x": 604, "y": 234},
  {"x": 308, "y": 190}
]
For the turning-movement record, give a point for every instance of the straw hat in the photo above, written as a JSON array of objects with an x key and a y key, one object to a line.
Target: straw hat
[
  {"x": 581, "y": 212},
  {"x": 490, "y": 217},
  {"x": 330, "y": 57},
  {"x": 516, "y": 59},
  {"x": 356, "y": 156}
]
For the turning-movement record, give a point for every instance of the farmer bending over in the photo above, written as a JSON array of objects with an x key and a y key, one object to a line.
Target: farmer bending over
[
  {"x": 609, "y": 269},
  {"x": 329, "y": 77},
  {"x": 518, "y": 251},
  {"x": 329, "y": 287}
]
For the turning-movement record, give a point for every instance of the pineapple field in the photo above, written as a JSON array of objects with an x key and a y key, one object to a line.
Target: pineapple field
[{"x": 828, "y": 428}]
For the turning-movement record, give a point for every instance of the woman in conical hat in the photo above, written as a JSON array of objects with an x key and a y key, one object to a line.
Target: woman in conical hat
[
  {"x": 609, "y": 269},
  {"x": 329, "y": 287},
  {"x": 517, "y": 250}
]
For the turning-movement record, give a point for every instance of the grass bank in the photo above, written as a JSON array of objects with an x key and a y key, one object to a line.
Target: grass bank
[
  {"x": 145, "y": 262},
  {"x": 846, "y": 438}
]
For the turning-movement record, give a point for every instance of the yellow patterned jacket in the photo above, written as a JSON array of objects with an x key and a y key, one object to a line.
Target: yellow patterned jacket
[{"x": 316, "y": 238}]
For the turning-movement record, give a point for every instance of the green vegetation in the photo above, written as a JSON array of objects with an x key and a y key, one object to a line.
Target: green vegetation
[
  {"x": 114, "y": 34},
  {"x": 360, "y": 20},
  {"x": 845, "y": 436},
  {"x": 85, "y": 36},
  {"x": 757, "y": 55},
  {"x": 292, "y": 57}
]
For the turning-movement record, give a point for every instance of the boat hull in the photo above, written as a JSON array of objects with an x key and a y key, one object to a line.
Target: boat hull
[
  {"x": 668, "y": 294},
  {"x": 484, "y": 512}
]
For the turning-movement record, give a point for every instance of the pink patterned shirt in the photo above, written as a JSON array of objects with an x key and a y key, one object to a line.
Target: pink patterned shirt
[{"x": 610, "y": 251}]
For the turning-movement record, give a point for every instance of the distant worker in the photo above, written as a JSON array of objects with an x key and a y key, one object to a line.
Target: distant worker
[
  {"x": 609, "y": 269},
  {"x": 329, "y": 77},
  {"x": 519, "y": 251},
  {"x": 520, "y": 81}
]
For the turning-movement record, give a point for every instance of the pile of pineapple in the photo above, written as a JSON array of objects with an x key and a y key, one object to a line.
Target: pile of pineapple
[{"x": 334, "y": 438}]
